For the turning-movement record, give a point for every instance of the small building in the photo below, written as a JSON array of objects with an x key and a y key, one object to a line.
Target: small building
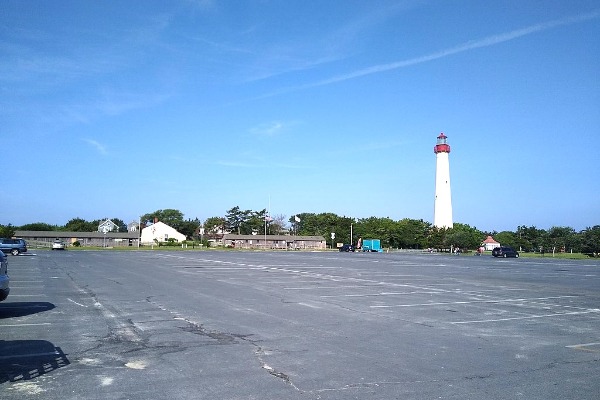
[
  {"x": 281, "y": 242},
  {"x": 133, "y": 226},
  {"x": 108, "y": 226},
  {"x": 490, "y": 243},
  {"x": 44, "y": 239},
  {"x": 160, "y": 232}
]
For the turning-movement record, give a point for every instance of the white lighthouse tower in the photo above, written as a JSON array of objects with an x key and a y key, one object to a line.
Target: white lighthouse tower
[{"x": 442, "y": 213}]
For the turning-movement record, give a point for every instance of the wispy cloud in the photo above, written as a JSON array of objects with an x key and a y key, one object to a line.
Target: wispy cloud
[
  {"x": 326, "y": 46},
  {"x": 263, "y": 165},
  {"x": 268, "y": 129},
  {"x": 235, "y": 164},
  {"x": 471, "y": 45},
  {"x": 115, "y": 103},
  {"x": 98, "y": 146}
]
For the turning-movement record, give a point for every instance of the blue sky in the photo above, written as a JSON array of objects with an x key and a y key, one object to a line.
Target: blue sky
[{"x": 120, "y": 108}]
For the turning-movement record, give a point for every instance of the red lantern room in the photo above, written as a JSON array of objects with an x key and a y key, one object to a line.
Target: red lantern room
[{"x": 441, "y": 146}]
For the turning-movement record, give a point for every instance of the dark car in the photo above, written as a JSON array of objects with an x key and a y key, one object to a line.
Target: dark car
[
  {"x": 347, "y": 248},
  {"x": 13, "y": 246},
  {"x": 4, "y": 280},
  {"x": 504, "y": 251}
]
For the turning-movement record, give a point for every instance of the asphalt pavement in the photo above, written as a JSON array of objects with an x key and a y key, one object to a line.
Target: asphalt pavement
[{"x": 298, "y": 325}]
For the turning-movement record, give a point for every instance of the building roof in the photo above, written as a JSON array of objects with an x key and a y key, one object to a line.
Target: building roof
[
  {"x": 287, "y": 238},
  {"x": 490, "y": 239},
  {"x": 82, "y": 235},
  {"x": 108, "y": 223}
]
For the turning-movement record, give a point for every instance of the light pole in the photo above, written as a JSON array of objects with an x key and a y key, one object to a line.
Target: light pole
[{"x": 352, "y": 222}]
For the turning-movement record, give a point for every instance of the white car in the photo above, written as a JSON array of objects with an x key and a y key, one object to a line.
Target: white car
[
  {"x": 4, "y": 280},
  {"x": 58, "y": 245}
]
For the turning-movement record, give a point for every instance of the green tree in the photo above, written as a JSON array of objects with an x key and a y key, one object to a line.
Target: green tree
[
  {"x": 464, "y": 236},
  {"x": 437, "y": 238},
  {"x": 307, "y": 224},
  {"x": 256, "y": 222},
  {"x": 38, "y": 226},
  {"x": 532, "y": 238},
  {"x": 189, "y": 228},
  {"x": 562, "y": 238},
  {"x": 590, "y": 240},
  {"x": 120, "y": 223},
  {"x": 246, "y": 222},
  {"x": 214, "y": 227},
  {"x": 80, "y": 225},
  {"x": 507, "y": 238},
  {"x": 384, "y": 229},
  {"x": 411, "y": 234},
  {"x": 7, "y": 231},
  {"x": 169, "y": 216},
  {"x": 324, "y": 224},
  {"x": 235, "y": 218}
]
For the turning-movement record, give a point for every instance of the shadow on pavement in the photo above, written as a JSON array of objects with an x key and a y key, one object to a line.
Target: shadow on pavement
[
  {"x": 21, "y": 309},
  {"x": 22, "y": 360}
]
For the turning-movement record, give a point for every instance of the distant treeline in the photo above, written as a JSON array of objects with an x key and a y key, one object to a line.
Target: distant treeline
[
  {"x": 405, "y": 233},
  {"x": 418, "y": 234}
]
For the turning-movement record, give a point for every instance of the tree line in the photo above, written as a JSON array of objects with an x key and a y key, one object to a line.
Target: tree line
[
  {"x": 419, "y": 234},
  {"x": 405, "y": 233},
  {"x": 171, "y": 217}
]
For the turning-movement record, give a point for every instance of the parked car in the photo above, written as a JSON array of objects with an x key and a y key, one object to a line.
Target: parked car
[
  {"x": 58, "y": 245},
  {"x": 347, "y": 248},
  {"x": 504, "y": 251},
  {"x": 4, "y": 280},
  {"x": 13, "y": 246}
]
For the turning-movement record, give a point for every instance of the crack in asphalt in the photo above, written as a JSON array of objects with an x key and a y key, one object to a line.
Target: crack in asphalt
[
  {"x": 225, "y": 338},
  {"x": 124, "y": 332}
]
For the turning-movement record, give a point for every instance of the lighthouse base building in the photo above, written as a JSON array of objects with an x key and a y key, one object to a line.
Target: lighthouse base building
[{"x": 442, "y": 213}]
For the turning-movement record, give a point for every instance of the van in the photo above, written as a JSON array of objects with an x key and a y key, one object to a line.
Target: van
[{"x": 13, "y": 246}]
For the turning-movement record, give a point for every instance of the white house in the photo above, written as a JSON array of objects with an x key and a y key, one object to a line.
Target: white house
[
  {"x": 133, "y": 226},
  {"x": 490, "y": 243},
  {"x": 161, "y": 232},
  {"x": 108, "y": 226}
]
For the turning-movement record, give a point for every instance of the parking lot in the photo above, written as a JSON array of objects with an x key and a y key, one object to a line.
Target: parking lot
[{"x": 298, "y": 325}]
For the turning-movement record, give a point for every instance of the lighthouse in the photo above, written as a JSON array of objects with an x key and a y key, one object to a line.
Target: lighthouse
[{"x": 442, "y": 212}]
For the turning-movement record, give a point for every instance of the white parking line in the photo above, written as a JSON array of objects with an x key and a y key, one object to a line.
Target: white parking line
[
  {"x": 73, "y": 301},
  {"x": 379, "y": 294},
  {"x": 325, "y": 287},
  {"x": 308, "y": 305},
  {"x": 471, "y": 302},
  {"x": 583, "y": 345},
  {"x": 12, "y": 287},
  {"x": 595, "y": 310},
  {"x": 19, "y": 325}
]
